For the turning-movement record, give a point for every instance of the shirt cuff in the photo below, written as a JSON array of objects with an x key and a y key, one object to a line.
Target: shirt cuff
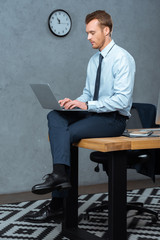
[{"x": 92, "y": 105}]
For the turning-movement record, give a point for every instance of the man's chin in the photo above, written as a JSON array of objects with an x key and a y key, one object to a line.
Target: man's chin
[{"x": 94, "y": 47}]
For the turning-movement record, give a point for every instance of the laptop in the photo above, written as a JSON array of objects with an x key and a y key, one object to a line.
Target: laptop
[{"x": 47, "y": 99}]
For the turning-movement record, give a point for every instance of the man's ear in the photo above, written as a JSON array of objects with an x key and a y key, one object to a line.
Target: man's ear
[{"x": 106, "y": 30}]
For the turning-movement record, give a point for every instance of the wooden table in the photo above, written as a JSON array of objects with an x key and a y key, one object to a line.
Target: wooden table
[{"x": 117, "y": 181}]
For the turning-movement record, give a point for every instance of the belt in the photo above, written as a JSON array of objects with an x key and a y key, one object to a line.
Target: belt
[
  {"x": 120, "y": 115},
  {"x": 115, "y": 114}
]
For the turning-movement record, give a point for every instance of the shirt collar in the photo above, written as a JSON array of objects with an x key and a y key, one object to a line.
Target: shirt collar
[{"x": 107, "y": 49}]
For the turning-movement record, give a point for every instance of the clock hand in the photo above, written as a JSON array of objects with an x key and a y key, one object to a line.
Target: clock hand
[{"x": 58, "y": 20}]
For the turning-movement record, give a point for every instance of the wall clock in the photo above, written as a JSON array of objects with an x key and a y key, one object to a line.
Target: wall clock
[{"x": 59, "y": 23}]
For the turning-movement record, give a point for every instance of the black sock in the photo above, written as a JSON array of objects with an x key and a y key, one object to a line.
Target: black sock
[
  {"x": 56, "y": 203},
  {"x": 59, "y": 169}
]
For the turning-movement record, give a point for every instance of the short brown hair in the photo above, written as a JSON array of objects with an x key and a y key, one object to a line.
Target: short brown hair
[{"x": 104, "y": 18}]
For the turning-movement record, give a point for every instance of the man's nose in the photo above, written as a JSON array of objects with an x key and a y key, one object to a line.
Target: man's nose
[{"x": 89, "y": 36}]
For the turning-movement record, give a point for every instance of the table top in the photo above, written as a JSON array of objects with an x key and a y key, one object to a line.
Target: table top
[{"x": 110, "y": 144}]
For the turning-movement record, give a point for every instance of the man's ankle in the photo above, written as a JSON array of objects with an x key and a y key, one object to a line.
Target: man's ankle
[{"x": 59, "y": 169}]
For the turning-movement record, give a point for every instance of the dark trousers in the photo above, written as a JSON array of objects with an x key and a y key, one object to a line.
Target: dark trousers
[{"x": 66, "y": 128}]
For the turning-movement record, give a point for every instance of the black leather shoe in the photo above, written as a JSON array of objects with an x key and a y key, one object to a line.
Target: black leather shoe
[
  {"x": 52, "y": 181},
  {"x": 46, "y": 214}
]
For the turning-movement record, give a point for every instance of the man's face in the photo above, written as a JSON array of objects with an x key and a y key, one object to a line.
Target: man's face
[{"x": 96, "y": 35}]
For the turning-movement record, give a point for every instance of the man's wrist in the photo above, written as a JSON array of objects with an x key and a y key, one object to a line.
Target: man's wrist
[{"x": 87, "y": 104}]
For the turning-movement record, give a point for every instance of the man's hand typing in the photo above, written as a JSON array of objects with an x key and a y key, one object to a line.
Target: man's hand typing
[{"x": 70, "y": 104}]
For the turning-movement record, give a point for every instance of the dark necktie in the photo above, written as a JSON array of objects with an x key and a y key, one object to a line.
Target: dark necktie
[{"x": 97, "y": 83}]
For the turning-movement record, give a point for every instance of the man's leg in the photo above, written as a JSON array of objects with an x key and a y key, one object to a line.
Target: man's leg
[
  {"x": 58, "y": 123},
  {"x": 96, "y": 126}
]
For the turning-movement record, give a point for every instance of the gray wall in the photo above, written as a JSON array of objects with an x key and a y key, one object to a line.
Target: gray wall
[{"x": 30, "y": 53}]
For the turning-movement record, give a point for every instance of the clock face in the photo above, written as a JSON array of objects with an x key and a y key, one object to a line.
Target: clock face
[{"x": 59, "y": 23}]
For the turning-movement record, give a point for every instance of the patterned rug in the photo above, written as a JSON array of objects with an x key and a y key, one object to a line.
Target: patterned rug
[{"x": 140, "y": 227}]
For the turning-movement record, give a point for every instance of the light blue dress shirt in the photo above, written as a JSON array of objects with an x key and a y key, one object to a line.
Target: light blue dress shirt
[{"x": 116, "y": 83}]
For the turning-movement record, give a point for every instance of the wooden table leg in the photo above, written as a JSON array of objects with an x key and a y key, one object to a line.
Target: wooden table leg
[
  {"x": 70, "y": 224},
  {"x": 117, "y": 196}
]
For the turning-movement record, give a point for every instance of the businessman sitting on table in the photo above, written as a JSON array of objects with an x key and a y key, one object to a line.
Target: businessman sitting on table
[{"x": 107, "y": 99}]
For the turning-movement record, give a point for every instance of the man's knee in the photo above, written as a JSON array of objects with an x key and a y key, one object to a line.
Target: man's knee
[
  {"x": 56, "y": 119},
  {"x": 50, "y": 116}
]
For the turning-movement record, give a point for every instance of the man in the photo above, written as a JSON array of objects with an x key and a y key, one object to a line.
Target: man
[{"x": 107, "y": 104}]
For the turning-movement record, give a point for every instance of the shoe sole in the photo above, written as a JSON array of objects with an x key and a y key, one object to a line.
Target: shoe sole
[
  {"x": 48, "y": 219},
  {"x": 58, "y": 216},
  {"x": 58, "y": 187}
]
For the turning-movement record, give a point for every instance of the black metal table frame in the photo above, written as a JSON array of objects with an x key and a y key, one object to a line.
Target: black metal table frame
[{"x": 117, "y": 184}]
